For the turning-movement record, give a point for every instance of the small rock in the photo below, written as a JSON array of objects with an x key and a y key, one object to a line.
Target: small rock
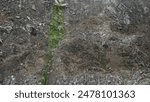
[
  {"x": 12, "y": 78},
  {"x": 18, "y": 17},
  {"x": 28, "y": 18},
  {"x": 19, "y": 5},
  {"x": 33, "y": 7},
  {"x": 61, "y": 3},
  {"x": 21, "y": 64}
]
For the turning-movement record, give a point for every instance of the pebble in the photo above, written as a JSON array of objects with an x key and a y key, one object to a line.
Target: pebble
[
  {"x": 28, "y": 18},
  {"x": 12, "y": 78},
  {"x": 33, "y": 7},
  {"x": 18, "y": 17}
]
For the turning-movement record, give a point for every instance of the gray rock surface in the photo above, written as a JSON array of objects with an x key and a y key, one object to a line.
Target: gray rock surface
[
  {"x": 23, "y": 40},
  {"x": 107, "y": 42}
]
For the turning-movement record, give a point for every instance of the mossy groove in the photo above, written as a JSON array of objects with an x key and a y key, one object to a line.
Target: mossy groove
[{"x": 56, "y": 32}]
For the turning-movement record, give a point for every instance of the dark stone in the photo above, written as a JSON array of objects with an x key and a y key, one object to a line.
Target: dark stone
[{"x": 33, "y": 31}]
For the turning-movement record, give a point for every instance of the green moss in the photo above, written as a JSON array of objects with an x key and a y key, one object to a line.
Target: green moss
[{"x": 56, "y": 33}]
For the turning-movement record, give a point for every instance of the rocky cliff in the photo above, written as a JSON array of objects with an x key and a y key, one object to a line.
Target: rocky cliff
[
  {"x": 23, "y": 40},
  {"x": 107, "y": 42}
]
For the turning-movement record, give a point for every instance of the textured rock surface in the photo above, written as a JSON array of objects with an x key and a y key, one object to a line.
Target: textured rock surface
[
  {"x": 107, "y": 42},
  {"x": 23, "y": 40}
]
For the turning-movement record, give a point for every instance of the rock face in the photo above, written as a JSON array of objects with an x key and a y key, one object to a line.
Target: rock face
[
  {"x": 107, "y": 42},
  {"x": 23, "y": 40}
]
